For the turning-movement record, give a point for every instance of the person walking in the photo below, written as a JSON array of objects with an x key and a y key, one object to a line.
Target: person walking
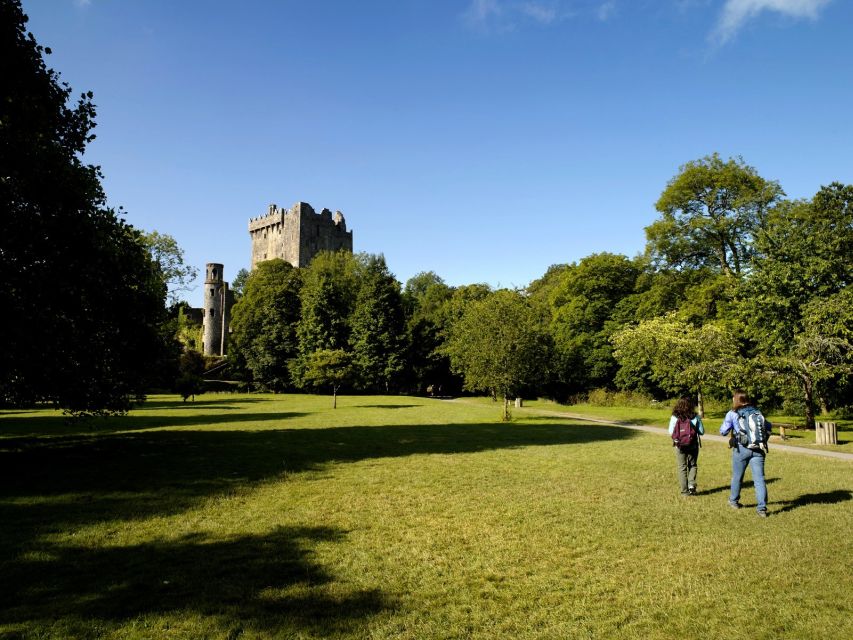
[
  {"x": 685, "y": 427},
  {"x": 749, "y": 432}
]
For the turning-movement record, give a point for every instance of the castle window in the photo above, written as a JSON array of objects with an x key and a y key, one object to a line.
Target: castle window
[
  {"x": 214, "y": 274},
  {"x": 212, "y": 313},
  {"x": 211, "y": 292}
]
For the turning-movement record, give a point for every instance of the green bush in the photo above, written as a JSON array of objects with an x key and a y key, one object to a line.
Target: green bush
[{"x": 607, "y": 398}]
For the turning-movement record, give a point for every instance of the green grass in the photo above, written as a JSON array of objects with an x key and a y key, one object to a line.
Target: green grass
[{"x": 392, "y": 517}]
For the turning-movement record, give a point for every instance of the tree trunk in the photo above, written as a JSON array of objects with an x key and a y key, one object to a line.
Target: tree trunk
[
  {"x": 808, "y": 396},
  {"x": 334, "y": 397},
  {"x": 700, "y": 404},
  {"x": 824, "y": 406},
  {"x": 506, "y": 409}
]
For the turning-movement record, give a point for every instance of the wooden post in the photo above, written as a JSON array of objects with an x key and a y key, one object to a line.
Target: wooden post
[
  {"x": 518, "y": 402},
  {"x": 782, "y": 432},
  {"x": 826, "y": 433}
]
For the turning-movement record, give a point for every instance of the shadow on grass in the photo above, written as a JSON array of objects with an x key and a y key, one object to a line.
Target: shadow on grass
[
  {"x": 228, "y": 402},
  {"x": 135, "y": 475},
  {"x": 744, "y": 485},
  {"x": 57, "y": 425},
  {"x": 827, "y": 497},
  {"x": 387, "y": 406},
  {"x": 267, "y": 582},
  {"x": 52, "y": 486}
]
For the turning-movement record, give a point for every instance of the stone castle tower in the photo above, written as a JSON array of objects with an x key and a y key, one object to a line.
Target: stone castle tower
[
  {"x": 297, "y": 234},
  {"x": 216, "y": 310}
]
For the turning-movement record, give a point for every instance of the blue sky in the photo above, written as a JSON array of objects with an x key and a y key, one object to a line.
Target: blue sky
[{"x": 484, "y": 140}]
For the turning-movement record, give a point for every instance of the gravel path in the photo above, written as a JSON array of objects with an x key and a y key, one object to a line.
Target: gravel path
[{"x": 774, "y": 443}]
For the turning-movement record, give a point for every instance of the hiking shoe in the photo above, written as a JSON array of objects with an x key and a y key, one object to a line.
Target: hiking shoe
[
  {"x": 735, "y": 505},
  {"x": 691, "y": 491},
  {"x": 762, "y": 514}
]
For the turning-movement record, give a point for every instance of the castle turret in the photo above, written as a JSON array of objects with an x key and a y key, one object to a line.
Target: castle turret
[{"x": 214, "y": 321}]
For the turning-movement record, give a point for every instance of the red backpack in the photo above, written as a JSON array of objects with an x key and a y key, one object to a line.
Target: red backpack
[{"x": 684, "y": 434}]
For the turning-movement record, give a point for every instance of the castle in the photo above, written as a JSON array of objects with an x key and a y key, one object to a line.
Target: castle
[{"x": 295, "y": 235}]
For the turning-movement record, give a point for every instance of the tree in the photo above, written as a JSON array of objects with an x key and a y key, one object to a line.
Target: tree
[
  {"x": 329, "y": 367},
  {"x": 377, "y": 327},
  {"x": 499, "y": 345},
  {"x": 711, "y": 211},
  {"x": 169, "y": 258},
  {"x": 679, "y": 357},
  {"x": 188, "y": 332},
  {"x": 327, "y": 298},
  {"x": 263, "y": 323},
  {"x": 424, "y": 294},
  {"x": 803, "y": 267},
  {"x": 84, "y": 298},
  {"x": 583, "y": 304},
  {"x": 424, "y": 297},
  {"x": 238, "y": 284},
  {"x": 190, "y": 382}
]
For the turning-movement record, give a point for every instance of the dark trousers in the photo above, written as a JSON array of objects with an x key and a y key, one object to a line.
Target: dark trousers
[{"x": 686, "y": 463}]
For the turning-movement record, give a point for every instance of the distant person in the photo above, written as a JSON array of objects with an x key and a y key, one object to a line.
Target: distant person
[
  {"x": 685, "y": 427},
  {"x": 749, "y": 433}
]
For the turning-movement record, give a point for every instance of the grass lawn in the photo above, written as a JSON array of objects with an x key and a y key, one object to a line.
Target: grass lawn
[{"x": 395, "y": 517}]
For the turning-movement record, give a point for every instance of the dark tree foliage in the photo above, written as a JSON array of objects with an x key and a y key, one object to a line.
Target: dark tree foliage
[
  {"x": 428, "y": 370},
  {"x": 83, "y": 300},
  {"x": 378, "y": 327},
  {"x": 190, "y": 382},
  {"x": 264, "y": 323},
  {"x": 584, "y": 301}
]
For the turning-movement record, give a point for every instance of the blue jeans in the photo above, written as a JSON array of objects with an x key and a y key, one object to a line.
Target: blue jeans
[{"x": 741, "y": 457}]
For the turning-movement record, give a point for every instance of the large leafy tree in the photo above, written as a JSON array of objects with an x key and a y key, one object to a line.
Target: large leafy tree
[
  {"x": 585, "y": 309},
  {"x": 710, "y": 213},
  {"x": 329, "y": 368},
  {"x": 264, "y": 321},
  {"x": 378, "y": 330},
  {"x": 83, "y": 299},
  {"x": 424, "y": 297},
  {"x": 792, "y": 302},
  {"x": 500, "y": 345},
  {"x": 678, "y": 357},
  {"x": 327, "y": 298}
]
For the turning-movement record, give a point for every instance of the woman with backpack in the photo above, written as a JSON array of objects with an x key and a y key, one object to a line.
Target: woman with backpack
[
  {"x": 749, "y": 432},
  {"x": 685, "y": 427}
]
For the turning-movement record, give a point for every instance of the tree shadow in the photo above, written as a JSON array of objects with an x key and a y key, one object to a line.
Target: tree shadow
[
  {"x": 58, "y": 484},
  {"x": 58, "y": 425},
  {"x": 230, "y": 402},
  {"x": 74, "y": 480},
  {"x": 386, "y": 406},
  {"x": 827, "y": 497},
  {"x": 263, "y": 582}
]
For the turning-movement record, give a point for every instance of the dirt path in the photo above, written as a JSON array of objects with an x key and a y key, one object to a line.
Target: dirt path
[{"x": 774, "y": 443}]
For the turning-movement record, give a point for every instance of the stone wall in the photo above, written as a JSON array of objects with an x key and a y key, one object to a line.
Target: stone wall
[
  {"x": 215, "y": 289},
  {"x": 297, "y": 234}
]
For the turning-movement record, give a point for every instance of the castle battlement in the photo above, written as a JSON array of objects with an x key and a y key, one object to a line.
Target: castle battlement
[{"x": 297, "y": 234}]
